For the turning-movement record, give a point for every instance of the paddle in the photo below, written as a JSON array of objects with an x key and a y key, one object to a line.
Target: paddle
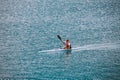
[{"x": 60, "y": 39}]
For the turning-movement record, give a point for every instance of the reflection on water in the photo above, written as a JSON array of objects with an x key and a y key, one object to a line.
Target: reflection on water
[{"x": 67, "y": 56}]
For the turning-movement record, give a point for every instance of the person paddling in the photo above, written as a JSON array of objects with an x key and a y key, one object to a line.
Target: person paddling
[{"x": 67, "y": 44}]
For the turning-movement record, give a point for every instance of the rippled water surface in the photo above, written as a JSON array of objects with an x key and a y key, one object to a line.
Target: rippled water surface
[{"x": 30, "y": 49}]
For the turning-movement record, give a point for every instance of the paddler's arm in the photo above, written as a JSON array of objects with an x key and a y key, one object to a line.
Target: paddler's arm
[{"x": 63, "y": 43}]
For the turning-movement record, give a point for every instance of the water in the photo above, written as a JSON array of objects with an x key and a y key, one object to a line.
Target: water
[{"x": 30, "y": 49}]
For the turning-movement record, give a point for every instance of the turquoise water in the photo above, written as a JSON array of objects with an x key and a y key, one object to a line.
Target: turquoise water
[{"x": 30, "y": 49}]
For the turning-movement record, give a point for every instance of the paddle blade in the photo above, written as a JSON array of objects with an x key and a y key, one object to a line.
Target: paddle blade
[{"x": 59, "y": 37}]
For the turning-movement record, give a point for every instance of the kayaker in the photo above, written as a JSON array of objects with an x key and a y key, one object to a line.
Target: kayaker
[{"x": 67, "y": 44}]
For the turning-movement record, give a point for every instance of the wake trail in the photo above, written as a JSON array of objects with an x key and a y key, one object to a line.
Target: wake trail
[
  {"x": 52, "y": 50},
  {"x": 103, "y": 46}
]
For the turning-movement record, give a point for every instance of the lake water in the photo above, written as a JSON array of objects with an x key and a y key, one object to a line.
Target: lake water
[{"x": 30, "y": 49}]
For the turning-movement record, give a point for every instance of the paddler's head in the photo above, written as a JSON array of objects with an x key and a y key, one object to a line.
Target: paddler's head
[{"x": 67, "y": 40}]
